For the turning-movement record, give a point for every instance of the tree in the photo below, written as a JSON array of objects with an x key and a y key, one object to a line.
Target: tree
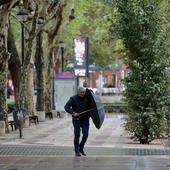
[
  {"x": 14, "y": 63},
  {"x": 92, "y": 20},
  {"x": 142, "y": 30},
  {"x": 54, "y": 12},
  {"x": 167, "y": 5},
  {"x": 51, "y": 11},
  {"x": 5, "y": 9},
  {"x": 26, "y": 63}
]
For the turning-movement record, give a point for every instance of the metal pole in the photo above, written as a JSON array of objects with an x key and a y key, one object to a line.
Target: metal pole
[
  {"x": 77, "y": 82},
  {"x": 53, "y": 104},
  {"x": 20, "y": 129},
  {"x": 20, "y": 121},
  {"x": 22, "y": 43},
  {"x": 62, "y": 59}
]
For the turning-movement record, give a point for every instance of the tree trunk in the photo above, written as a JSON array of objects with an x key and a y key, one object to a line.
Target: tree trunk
[
  {"x": 39, "y": 73},
  {"x": 52, "y": 33},
  {"x": 48, "y": 83},
  {"x": 14, "y": 63},
  {"x": 4, "y": 56},
  {"x": 29, "y": 98},
  {"x": 25, "y": 66}
]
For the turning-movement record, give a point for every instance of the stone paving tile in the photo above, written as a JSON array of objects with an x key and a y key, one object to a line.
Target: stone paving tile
[
  {"x": 101, "y": 163},
  {"x": 59, "y": 132},
  {"x": 109, "y": 148},
  {"x": 68, "y": 150},
  {"x": 118, "y": 167},
  {"x": 70, "y": 162}
]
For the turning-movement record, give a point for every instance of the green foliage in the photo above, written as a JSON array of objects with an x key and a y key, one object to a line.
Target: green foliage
[
  {"x": 141, "y": 28},
  {"x": 115, "y": 107},
  {"x": 16, "y": 29},
  {"x": 92, "y": 21},
  {"x": 11, "y": 105}
]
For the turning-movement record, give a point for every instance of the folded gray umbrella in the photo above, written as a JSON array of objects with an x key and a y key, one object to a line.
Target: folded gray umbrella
[{"x": 97, "y": 109}]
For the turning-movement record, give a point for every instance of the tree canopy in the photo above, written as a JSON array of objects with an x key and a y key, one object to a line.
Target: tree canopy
[{"x": 92, "y": 20}]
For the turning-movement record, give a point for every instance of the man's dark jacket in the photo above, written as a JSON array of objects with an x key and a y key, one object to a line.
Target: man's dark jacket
[{"x": 78, "y": 104}]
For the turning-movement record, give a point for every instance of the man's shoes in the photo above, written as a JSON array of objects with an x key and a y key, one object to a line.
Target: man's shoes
[
  {"x": 83, "y": 153},
  {"x": 77, "y": 154}
]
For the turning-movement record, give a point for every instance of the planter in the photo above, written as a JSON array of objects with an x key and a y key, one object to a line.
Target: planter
[
  {"x": 2, "y": 128},
  {"x": 57, "y": 114},
  {"x": 54, "y": 113},
  {"x": 41, "y": 116},
  {"x": 63, "y": 115}
]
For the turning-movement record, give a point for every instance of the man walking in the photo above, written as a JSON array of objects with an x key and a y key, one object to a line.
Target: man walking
[{"x": 75, "y": 105}]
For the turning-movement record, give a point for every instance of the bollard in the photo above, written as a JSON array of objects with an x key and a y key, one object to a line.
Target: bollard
[
  {"x": 2, "y": 128},
  {"x": 2, "y": 124}
]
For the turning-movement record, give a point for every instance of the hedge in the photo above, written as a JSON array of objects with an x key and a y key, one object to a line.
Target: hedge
[{"x": 115, "y": 107}]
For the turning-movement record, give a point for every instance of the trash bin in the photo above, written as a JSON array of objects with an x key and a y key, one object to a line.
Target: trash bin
[{"x": 19, "y": 119}]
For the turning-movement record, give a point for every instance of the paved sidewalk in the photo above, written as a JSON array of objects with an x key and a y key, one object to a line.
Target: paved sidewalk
[
  {"x": 59, "y": 132},
  {"x": 49, "y": 146},
  {"x": 85, "y": 163}
]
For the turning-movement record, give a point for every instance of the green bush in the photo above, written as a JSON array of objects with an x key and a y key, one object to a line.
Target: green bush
[
  {"x": 11, "y": 105},
  {"x": 115, "y": 107},
  {"x": 141, "y": 26}
]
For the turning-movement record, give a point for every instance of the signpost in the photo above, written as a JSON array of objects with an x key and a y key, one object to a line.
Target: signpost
[{"x": 81, "y": 56}]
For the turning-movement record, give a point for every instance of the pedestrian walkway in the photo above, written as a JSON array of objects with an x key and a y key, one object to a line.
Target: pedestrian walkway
[
  {"x": 59, "y": 132},
  {"x": 84, "y": 163},
  {"x": 49, "y": 145}
]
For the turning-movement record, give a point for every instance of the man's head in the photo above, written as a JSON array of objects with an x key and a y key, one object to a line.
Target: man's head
[{"x": 81, "y": 91}]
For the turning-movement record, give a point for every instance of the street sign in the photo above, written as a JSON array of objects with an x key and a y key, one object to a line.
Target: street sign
[{"x": 81, "y": 56}]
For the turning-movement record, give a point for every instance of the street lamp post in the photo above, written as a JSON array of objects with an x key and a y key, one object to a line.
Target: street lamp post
[
  {"x": 23, "y": 13},
  {"x": 62, "y": 47},
  {"x": 20, "y": 113}
]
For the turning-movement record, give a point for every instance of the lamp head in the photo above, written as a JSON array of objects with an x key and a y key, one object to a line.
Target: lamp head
[
  {"x": 61, "y": 44},
  {"x": 41, "y": 21},
  {"x": 23, "y": 13}
]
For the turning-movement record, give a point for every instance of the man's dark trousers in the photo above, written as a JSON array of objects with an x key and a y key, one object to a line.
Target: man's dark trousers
[{"x": 82, "y": 124}]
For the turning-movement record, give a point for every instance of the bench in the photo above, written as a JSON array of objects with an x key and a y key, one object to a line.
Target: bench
[
  {"x": 13, "y": 125},
  {"x": 11, "y": 122},
  {"x": 49, "y": 115},
  {"x": 33, "y": 119}
]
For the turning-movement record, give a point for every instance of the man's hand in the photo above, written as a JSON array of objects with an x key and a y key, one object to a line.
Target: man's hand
[{"x": 75, "y": 114}]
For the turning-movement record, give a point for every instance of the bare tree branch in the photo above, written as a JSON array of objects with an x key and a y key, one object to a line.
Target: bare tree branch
[{"x": 59, "y": 18}]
